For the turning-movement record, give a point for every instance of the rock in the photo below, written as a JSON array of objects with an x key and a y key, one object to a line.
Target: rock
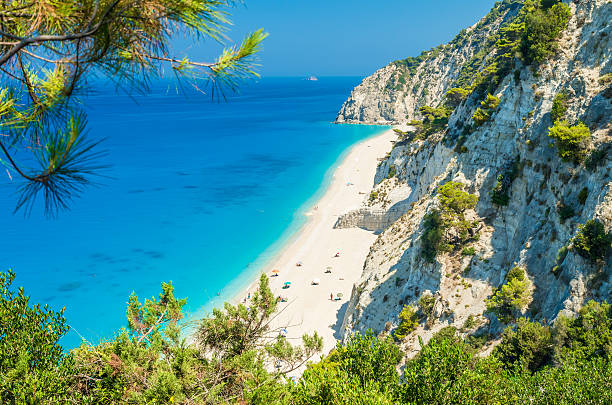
[{"x": 528, "y": 231}]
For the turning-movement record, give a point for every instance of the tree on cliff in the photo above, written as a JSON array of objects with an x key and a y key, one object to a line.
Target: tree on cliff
[{"x": 48, "y": 50}]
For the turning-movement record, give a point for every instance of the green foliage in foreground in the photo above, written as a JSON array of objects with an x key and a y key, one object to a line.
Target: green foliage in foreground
[
  {"x": 32, "y": 366},
  {"x": 234, "y": 356},
  {"x": 534, "y": 363},
  {"x": 572, "y": 141},
  {"x": 566, "y": 363}
]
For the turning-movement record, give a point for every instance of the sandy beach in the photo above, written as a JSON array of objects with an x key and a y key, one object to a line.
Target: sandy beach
[{"x": 310, "y": 307}]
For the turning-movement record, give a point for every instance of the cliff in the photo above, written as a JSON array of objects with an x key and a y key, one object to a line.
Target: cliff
[{"x": 547, "y": 197}]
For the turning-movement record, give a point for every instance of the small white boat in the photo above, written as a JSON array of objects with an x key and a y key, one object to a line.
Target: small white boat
[{"x": 312, "y": 78}]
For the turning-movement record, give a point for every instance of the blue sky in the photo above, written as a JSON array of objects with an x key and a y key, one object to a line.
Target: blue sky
[{"x": 344, "y": 37}]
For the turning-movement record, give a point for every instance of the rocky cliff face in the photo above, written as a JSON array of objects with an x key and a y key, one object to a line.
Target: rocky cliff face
[
  {"x": 395, "y": 92},
  {"x": 529, "y": 231}
]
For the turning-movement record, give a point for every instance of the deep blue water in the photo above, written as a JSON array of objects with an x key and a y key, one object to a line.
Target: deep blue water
[{"x": 197, "y": 192}]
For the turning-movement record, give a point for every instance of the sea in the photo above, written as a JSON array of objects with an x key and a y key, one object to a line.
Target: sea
[{"x": 199, "y": 191}]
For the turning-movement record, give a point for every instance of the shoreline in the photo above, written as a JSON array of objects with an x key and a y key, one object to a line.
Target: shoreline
[{"x": 315, "y": 243}]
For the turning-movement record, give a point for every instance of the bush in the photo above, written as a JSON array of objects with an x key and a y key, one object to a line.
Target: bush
[
  {"x": 360, "y": 371},
  {"x": 571, "y": 140},
  {"x": 543, "y": 26},
  {"x": 500, "y": 193},
  {"x": 559, "y": 106},
  {"x": 392, "y": 171},
  {"x": 469, "y": 323},
  {"x": 562, "y": 253},
  {"x": 455, "y": 96},
  {"x": 433, "y": 235},
  {"x": 512, "y": 297},
  {"x": 528, "y": 345},
  {"x": 588, "y": 336},
  {"x": 605, "y": 79},
  {"x": 468, "y": 251},
  {"x": 434, "y": 120},
  {"x": 592, "y": 242},
  {"x": 565, "y": 211},
  {"x": 446, "y": 228},
  {"x": 583, "y": 195},
  {"x": 33, "y": 366},
  {"x": 373, "y": 195},
  {"x": 486, "y": 109},
  {"x": 426, "y": 305},
  {"x": 454, "y": 200},
  {"x": 408, "y": 322}
]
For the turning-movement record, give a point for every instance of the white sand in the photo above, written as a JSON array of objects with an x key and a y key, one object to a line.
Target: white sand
[{"x": 309, "y": 307}]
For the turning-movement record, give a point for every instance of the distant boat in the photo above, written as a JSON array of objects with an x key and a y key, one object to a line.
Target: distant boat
[{"x": 312, "y": 78}]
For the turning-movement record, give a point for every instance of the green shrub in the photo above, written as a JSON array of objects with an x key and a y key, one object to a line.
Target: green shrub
[
  {"x": 434, "y": 119},
  {"x": 591, "y": 241},
  {"x": 605, "y": 79},
  {"x": 480, "y": 117},
  {"x": 362, "y": 370},
  {"x": 468, "y": 251},
  {"x": 408, "y": 322},
  {"x": 500, "y": 193},
  {"x": 469, "y": 323},
  {"x": 516, "y": 273},
  {"x": 583, "y": 195},
  {"x": 565, "y": 211},
  {"x": 543, "y": 26},
  {"x": 512, "y": 297},
  {"x": 562, "y": 253},
  {"x": 454, "y": 200},
  {"x": 426, "y": 305},
  {"x": 33, "y": 366},
  {"x": 559, "y": 106},
  {"x": 486, "y": 109},
  {"x": 447, "y": 228},
  {"x": 572, "y": 141},
  {"x": 432, "y": 240},
  {"x": 392, "y": 171},
  {"x": 373, "y": 195},
  {"x": 587, "y": 336},
  {"x": 528, "y": 345},
  {"x": 455, "y": 96}
]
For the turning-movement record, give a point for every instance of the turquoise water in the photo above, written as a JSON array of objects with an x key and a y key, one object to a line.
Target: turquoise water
[{"x": 198, "y": 192}]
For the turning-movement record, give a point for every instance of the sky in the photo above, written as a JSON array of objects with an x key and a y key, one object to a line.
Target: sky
[{"x": 343, "y": 37}]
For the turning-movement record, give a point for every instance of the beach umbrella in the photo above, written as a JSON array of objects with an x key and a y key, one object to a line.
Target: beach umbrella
[
  {"x": 298, "y": 263},
  {"x": 287, "y": 282},
  {"x": 339, "y": 295},
  {"x": 328, "y": 269},
  {"x": 316, "y": 281},
  {"x": 276, "y": 271}
]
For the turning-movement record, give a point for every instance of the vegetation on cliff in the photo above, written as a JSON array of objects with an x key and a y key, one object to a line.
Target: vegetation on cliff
[{"x": 445, "y": 228}]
